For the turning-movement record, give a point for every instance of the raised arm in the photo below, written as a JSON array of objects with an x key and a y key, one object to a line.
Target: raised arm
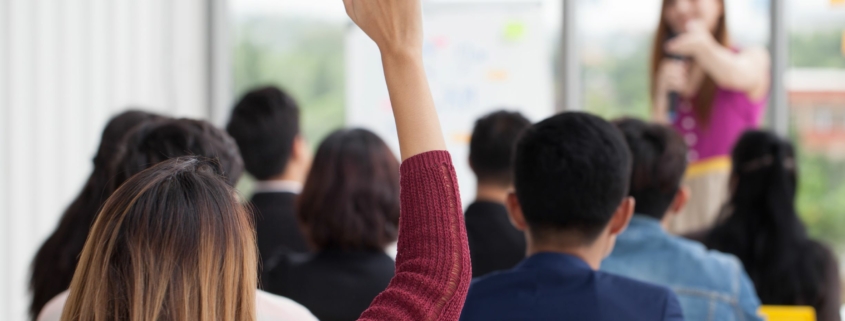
[
  {"x": 396, "y": 27},
  {"x": 746, "y": 71},
  {"x": 432, "y": 264}
]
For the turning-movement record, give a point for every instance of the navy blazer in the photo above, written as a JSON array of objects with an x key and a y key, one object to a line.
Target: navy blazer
[{"x": 554, "y": 286}]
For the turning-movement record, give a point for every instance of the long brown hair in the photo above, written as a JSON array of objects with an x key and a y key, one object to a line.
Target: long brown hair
[
  {"x": 171, "y": 244},
  {"x": 703, "y": 104}
]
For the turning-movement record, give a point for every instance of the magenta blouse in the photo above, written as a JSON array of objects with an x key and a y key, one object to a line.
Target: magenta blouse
[{"x": 733, "y": 113}]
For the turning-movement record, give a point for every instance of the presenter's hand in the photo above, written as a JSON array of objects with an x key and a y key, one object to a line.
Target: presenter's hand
[
  {"x": 672, "y": 76},
  {"x": 394, "y": 25},
  {"x": 696, "y": 40}
]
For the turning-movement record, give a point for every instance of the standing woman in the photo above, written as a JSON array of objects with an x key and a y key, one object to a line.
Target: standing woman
[{"x": 711, "y": 92}]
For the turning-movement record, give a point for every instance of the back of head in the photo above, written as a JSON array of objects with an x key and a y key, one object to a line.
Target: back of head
[
  {"x": 761, "y": 226},
  {"x": 155, "y": 142},
  {"x": 659, "y": 157},
  {"x": 264, "y": 123},
  {"x": 172, "y": 243},
  {"x": 492, "y": 144},
  {"x": 571, "y": 173},
  {"x": 53, "y": 266},
  {"x": 350, "y": 200}
]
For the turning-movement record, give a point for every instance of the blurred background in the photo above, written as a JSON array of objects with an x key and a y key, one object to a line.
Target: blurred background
[{"x": 66, "y": 66}]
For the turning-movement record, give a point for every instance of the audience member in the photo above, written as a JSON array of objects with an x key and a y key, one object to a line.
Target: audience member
[
  {"x": 55, "y": 261},
  {"x": 710, "y": 285},
  {"x": 494, "y": 244},
  {"x": 358, "y": 173},
  {"x": 760, "y": 225},
  {"x": 172, "y": 243},
  {"x": 265, "y": 124},
  {"x": 155, "y": 142},
  {"x": 571, "y": 174},
  {"x": 433, "y": 269}
]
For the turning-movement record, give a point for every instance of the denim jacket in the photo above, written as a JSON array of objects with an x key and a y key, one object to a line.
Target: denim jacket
[{"x": 710, "y": 285}]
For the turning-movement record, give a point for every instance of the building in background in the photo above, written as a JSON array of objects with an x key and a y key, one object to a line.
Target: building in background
[{"x": 817, "y": 100}]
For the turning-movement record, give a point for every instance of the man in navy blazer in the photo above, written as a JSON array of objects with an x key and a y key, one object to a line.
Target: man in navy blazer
[{"x": 571, "y": 175}]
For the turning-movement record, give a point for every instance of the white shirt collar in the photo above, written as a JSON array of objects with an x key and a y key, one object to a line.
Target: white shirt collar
[{"x": 279, "y": 186}]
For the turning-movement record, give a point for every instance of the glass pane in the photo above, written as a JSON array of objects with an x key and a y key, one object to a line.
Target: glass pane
[
  {"x": 296, "y": 45},
  {"x": 816, "y": 87}
]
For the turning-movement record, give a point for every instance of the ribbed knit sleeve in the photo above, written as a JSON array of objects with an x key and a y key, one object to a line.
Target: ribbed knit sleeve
[{"x": 433, "y": 270}]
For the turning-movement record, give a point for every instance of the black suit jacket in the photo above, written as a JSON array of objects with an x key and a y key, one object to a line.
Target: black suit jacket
[
  {"x": 335, "y": 285},
  {"x": 494, "y": 244},
  {"x": 276, "y": 225}
]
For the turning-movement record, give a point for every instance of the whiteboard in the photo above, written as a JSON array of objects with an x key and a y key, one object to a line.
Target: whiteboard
[{"x": 479, "y": 57}]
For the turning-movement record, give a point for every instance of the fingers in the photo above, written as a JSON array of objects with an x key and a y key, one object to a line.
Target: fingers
[{"x": 674, "y": 75}]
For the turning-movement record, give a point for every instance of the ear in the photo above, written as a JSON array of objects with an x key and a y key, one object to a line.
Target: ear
[
  {"x": 515, "y": 212},
  {"x": 299, "y": 149},
  {"x": 680, "y": 201},
  {"x": 622, "y": 216}
]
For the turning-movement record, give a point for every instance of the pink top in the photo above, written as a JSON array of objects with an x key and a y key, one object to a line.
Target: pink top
[{"x": 733, "y": 113}]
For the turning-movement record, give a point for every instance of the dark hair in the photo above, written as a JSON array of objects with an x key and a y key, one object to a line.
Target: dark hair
[
  {"x": 761, "y": 226},
  {"x": 152, "y": 143},
  {"x": 659, "y": 157},
  {"x": 264, "y": 124},
  {"x": 55, "y": 261},
  {"x": 491, "y": 146},
  {"x": 350, "y": 200},
  {"x": 172, "y": 243},
  {"x": 571, "y": 174}
]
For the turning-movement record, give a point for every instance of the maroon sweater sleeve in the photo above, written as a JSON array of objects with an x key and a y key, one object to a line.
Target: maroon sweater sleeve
[{"x": 432, "y": 264}]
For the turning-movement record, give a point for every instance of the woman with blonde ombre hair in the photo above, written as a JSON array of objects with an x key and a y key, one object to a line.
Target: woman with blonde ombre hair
[
  {"x": 172, "y": 243},
  {"x": 711, "y": 92}
]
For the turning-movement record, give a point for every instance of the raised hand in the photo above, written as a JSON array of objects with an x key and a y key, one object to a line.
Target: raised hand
[{"x": 394, "y": 25}]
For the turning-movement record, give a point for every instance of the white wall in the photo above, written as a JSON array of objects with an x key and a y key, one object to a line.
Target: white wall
[{"x": 66, "y": 66}]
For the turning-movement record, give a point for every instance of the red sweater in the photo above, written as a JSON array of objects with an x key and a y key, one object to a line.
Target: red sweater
[{"x": 432, "y": 265}]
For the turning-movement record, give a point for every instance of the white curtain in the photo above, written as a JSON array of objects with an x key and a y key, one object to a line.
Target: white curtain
[{"x": 66, "y": 66}]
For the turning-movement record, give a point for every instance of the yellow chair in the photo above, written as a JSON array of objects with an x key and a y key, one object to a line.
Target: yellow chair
[{"x": 788, "y": 313}]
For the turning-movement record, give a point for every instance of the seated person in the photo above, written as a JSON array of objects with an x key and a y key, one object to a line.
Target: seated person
[
  {"x": 170, "y": 175},
  {"x": 710, "y": 285},
  {"x": 761, "y": 226},
  {"x": 571, "y": 175},
  {"x": 265, "y": 124},
  {"x": 349, "y": 210},
  {"x": 494, "y": 244},
  {"x": 55, "y": 261}
]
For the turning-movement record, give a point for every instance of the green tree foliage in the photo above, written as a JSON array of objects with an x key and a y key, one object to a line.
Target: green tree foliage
[
  {"x": 302, "y": 56},
  {"x": 822, "y": 49}
]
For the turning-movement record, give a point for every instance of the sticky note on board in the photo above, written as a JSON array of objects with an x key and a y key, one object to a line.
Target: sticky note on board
[
  {"x": 843, "y": 42},
  {"x": 514, "y": 31}
]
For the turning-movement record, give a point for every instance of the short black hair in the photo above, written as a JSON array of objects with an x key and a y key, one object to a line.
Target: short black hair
[
  {"x": 492, "y": 143},
  {"x": 571, "y": 173},
  {"x": 154, "y": 142},
  {"x": 659, "y": 162},
  {"x": 264, "y": 123}
]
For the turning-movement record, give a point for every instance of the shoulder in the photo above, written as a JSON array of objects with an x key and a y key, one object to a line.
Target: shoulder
[
  {"x": 713, "y": 270},
  {"x": 621, "y": 291},
  {"x": 269, "y": 307},
  {"x": 493, "y": 284},
  {"x": 52, "y": 311}
]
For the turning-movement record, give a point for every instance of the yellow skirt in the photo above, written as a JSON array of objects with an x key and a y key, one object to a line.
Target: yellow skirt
[{"x": 707, "y": 181}]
